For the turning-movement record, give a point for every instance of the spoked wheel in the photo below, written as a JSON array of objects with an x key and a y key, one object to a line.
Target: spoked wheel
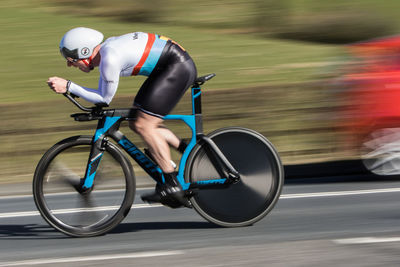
[
  {"x": 380, "y": 151},
  {"x": 259, "y": 188},
  {"x": 83, "y": 214}
]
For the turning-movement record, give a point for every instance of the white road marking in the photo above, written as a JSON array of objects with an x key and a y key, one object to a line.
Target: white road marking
[
  {"x": 366, "y": 240},
  {"x": 140, "y": 206},
  {"x": 93, "y": 258},
  {"x": 69, "y": 193},
  {"x": 341, "y": 193},
  {"x": 16, "y": 196},
  {"x": 68, "y": 211}
]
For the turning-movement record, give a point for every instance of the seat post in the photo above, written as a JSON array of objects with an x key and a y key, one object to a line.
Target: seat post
[
  {"x": 196, "y": 107},
  {"x": 196, "y": 99}
]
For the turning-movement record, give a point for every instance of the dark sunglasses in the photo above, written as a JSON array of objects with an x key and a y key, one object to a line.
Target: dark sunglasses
[{"x": 73, "y": 60}]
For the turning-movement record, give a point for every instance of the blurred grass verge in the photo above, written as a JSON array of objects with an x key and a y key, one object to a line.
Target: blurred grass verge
[{"x": 273, "y": 68}]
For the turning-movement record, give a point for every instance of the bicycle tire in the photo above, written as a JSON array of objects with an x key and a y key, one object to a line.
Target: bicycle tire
[
  {"x": 255, "y": 195},
  {"x": 66, "y": 160}
]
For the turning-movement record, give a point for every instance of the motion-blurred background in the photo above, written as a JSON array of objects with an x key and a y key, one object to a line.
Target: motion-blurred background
[{"x": 282, "y": 68}]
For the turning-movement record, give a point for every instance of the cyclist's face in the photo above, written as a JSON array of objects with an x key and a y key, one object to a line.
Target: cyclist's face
[{"x": 82, "y": 64}]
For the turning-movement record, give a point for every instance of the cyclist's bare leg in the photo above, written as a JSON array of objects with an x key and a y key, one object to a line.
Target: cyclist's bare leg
[
  {"x": 169, "y": 136},
  {"x": 148, "y": 127},
  {"x": 157, "y": 139}
]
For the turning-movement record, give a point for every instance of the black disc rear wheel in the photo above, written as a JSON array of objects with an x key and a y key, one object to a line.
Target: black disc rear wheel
[{"x": 259, "y": 188}]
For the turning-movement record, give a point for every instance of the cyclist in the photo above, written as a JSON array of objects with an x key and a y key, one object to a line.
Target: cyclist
[{"x": 170, "y": 71}]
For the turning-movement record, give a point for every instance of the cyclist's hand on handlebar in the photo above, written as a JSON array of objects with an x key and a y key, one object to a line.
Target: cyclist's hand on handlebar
[{"x": 58, "y": 85}]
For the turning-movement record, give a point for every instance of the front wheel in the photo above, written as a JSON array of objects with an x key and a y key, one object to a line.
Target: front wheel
[
  {"x": 83, "y": 214},
  {"x": 259, "y": 188}
]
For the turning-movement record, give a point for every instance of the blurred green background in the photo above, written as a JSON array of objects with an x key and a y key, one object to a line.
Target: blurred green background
[{"x": 275, "y": 62}]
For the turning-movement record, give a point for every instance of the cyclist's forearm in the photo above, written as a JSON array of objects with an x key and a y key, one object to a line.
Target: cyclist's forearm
[{"x": 89, "y": 94}]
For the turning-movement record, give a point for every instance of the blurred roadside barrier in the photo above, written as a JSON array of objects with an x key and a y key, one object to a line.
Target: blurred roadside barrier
[{"x": 298, "y": 118}]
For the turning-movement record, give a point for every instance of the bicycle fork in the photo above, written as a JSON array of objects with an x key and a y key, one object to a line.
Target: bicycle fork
[
  {"x": 96, "y": 154},
  {"x": 99, "y": 144}
]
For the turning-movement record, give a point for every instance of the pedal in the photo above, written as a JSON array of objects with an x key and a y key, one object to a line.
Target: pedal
[{"x": 189, "y": 193}]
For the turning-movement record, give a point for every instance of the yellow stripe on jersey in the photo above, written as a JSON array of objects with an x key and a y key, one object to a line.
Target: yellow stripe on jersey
[{"x": 169, "y": 39}]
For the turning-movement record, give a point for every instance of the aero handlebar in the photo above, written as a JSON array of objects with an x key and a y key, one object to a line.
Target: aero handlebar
[{"x": 71, "y": 97}]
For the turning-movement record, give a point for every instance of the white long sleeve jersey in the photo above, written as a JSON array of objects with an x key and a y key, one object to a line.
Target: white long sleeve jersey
[{"x": 126, "y": 55}]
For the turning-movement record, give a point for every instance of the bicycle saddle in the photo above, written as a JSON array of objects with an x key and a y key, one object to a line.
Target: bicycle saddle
[{"x": 201, "y": 80}]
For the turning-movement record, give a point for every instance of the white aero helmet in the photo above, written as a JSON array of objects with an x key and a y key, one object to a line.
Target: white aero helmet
[{"x": 80, "y": 42}]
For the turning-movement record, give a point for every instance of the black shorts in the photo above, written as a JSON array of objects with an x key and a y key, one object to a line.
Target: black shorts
[{"x": 168, "y": 82}]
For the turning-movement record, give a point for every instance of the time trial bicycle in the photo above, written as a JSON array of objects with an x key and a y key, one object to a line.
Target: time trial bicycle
[{"x": 85, "y": 185}]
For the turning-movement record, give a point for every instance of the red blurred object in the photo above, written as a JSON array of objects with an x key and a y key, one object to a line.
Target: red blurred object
[{"x": 373, "y": 95}]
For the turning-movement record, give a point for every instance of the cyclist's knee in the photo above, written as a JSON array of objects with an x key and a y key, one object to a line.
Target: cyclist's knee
[
  {"x": 142, "y": 126},
  {"x": 144, "y": 123},
  {"x": 139, "y": 126},
  {"x": 132, "y": 126}
]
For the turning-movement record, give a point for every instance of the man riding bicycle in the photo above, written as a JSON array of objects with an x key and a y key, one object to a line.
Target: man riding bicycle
[{"x": 170, "y": 71}]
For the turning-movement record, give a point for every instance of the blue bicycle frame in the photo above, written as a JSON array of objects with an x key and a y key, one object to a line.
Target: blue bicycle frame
[{"x": 108, "y": 126}]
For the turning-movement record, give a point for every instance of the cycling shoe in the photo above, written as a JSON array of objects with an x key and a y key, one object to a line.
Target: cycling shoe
[{"x": 169, "y": 194}]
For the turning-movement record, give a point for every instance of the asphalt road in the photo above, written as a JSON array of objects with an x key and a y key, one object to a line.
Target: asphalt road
[{"x": 343, "y": 221}]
